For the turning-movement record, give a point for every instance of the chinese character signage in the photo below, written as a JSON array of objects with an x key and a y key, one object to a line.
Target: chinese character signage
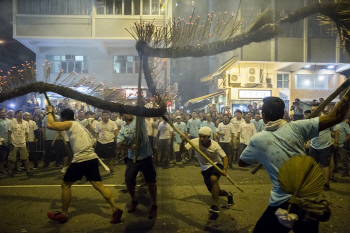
[{"x": 253, "y": 94}]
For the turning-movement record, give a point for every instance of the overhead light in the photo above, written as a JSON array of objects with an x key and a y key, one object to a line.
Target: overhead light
[
  {"x": 321, "y": 78},
  {"x": 12, "y": 105},
  {"x": 307, "y": 82},
  {"x": 2, "y": 42},
  {"x": 308, "y": 66},
  {"x": 330, "y": 67}
]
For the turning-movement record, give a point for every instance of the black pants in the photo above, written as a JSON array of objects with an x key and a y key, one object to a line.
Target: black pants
[
  {"x": 33, "y": 155},
  {"x": 268, "y": 222},
  {"x": 49, "y": 152}
]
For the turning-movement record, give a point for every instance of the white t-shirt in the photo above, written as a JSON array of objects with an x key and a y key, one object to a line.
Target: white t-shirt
[
  {"x": 227, "y": 130},
  {"x": 91, "y": 126},
  {"x": 214, "y": 153},
  {"x": 81, "y": 143},
  {"x": 119, "y": 122},
  {"x": 18, "y": 133},
  {"x": 236, "y": 123},
  {"x": 106, "y": 131},
  {"x": 246, "y": 132},
  {"x": 32, "y": 127},
  {"x": 165, "y": 130},
  {"x": 149, "y": 127}
]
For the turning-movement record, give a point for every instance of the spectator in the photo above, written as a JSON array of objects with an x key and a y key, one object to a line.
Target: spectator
[
  {"x": 245, "y": 133},
  {"x": 344, "y": 136},
  {"x": 10, "y": 114},
  {"x": 236, "y": 123},
  {"x": 307, "y": 114},
  {"x": 31, "y": 139},
  {"x": 297, "y": 109},
  {"x": 193, "y": 126},
  {"x": 258, "y": 123},
  {"x": 81, "y": 118},
  {"x": 49, "y": 136},
  {"x": 165, "y": 133},
  {"x": 32, "y": 104},
  {"x": 208, "y": 122},
  {"x": 226, "y": 135},
  {"x": 201, "y": 116},
  {"x": 181, "y": 126},
  {"x": 4, "y": 149}
]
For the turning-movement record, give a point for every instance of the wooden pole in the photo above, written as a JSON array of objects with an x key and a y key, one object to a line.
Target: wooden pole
[
  {"x": 204, "y": 155},
  {"x": 319, "y": 109},
  {"x": 70, "y": 156},
  {"x": 137, "y": 130}
]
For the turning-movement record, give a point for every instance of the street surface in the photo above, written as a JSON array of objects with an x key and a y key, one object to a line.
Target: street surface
[{"x": 183, "y": 203}]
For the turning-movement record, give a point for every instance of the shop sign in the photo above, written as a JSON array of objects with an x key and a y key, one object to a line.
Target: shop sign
[{"x": 253, "y": 94}]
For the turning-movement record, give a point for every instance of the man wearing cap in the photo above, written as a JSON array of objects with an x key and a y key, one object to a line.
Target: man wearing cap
[{"x": 211, "y": 176}]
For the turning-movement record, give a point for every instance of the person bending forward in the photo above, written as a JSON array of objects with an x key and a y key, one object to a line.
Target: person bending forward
[{"x": 84, "y": 163}]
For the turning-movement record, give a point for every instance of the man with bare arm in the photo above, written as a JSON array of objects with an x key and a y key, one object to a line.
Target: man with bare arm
[
  {"x": 275, "y": 145},
  {"x": 84, "y": 163}
]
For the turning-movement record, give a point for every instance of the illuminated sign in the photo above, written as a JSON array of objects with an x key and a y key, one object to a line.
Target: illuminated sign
[{"x": 252, "y": 94}]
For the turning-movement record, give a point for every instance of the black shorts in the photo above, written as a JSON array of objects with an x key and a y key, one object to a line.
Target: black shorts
[
  {"x": 163, "y": 144},
  {"x": 106, "y": 151},
  {"x": 31, "y": 147},
  {"x": 145, "y": 166},
  {"x": 322, "y": 156},
  {"x": 211, "y": 172},
  {"x": 226, "y": 147},
  {"x": 89, "y": 169}
]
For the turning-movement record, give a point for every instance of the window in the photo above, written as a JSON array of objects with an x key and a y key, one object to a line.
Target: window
[
  {"x": 282, "y": 80},
  {"x": 314, "y": 81},
  {"x": 54, "y": 7},
  {"x": 68, "y": 63},
  {"x": 126, "y": 64},
  {"x": 130, "y": 7}
]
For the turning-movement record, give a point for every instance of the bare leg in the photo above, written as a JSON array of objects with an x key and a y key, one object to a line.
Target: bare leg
[
  {"x": 215, "y": 189},
  {"x": 326, "y": 174},
  {"x": 27, "y": 165},
  {"x": 331, "y": 167},
  {"x": 66, "y": 197},
  {"x": 65, "y": 161},
  {"x": 159, "y": 156},
  {"x": 106, "y": 193},
  {"x": 131, "y": 190},
  {"x": 111, "y": 163},
  {"x": 152, "y": 188}
]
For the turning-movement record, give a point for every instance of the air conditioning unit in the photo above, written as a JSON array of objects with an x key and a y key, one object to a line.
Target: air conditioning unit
[
  {"x": 70, "y": 57},
  {"x": 268, "y": 82},
  {"x": 222, "y": 83},
  {"x": 253, "y": 76}
]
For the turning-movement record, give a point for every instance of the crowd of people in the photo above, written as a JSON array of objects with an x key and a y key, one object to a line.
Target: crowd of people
[{"x": 224, "y": 137}]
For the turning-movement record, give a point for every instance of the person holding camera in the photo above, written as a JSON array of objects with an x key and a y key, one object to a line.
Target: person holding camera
[{"x": 297, "y": 109}]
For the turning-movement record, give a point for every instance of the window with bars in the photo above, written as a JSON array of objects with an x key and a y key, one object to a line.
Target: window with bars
[
  {"x": 123, "y": 64},
  {"x": 54, "y": 7},
  {"x": 68, "y": 63},
  {"x": 282, "y": 80},
  {"x": 130, "y": 7}
]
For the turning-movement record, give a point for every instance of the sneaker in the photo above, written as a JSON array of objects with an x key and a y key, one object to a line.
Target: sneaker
[
  {"x": 133, "y": 206},
  {"x": 10, "y": 174},
  {"x": 214, "y": 209},
  {"x": 117, "y": 216},
  {"x": 35, "y": 168},
  {"x": 230, "y": 199},
  {"x": 57, "y": 216},
  {"x": 326, "y": 187},
  {"x": 173, "y": 161},
  {"x": 153, "y": 212},
  {"x": 184, "y": 161},
  {"x": 29, "y": 174},
  {"x": 63, "y": 170},
  {"x": 111, "y": 172}
]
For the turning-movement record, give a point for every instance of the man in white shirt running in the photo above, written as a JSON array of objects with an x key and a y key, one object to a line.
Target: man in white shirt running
[
  {"x": 84, "y": 163},
  {"x": 18, "y": 137},
  {"x": 106, "y": 133},
  {"x": 211, "y": 176}
]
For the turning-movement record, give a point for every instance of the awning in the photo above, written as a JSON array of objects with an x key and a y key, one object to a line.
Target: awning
[
  {"x": 221, "y": 69},
  {"x": 199, "y": 99}
]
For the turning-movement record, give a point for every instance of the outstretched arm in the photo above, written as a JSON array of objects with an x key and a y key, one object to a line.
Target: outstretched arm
[{"x": 55, "y": 125}]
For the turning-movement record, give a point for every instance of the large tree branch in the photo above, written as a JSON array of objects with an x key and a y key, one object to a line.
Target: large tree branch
[
  {"x": 42, "y": 87},
  {"x": 263, "y": 33}
]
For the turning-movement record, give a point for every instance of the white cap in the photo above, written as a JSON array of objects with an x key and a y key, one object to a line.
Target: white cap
[{"x": 205, "y": 131}]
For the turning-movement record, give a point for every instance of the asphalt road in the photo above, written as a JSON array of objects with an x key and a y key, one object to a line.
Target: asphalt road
[{"x": 183, "y": 203}]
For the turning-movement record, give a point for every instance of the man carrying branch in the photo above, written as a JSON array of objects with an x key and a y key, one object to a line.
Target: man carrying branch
[
  {"x": 211, "y": 176},
  {"x": 275, "y": 145},
  {"x": 84, "y": 163}
]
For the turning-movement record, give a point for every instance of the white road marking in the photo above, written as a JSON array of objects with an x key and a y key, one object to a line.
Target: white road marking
[{"x": 57, "y": 185}]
